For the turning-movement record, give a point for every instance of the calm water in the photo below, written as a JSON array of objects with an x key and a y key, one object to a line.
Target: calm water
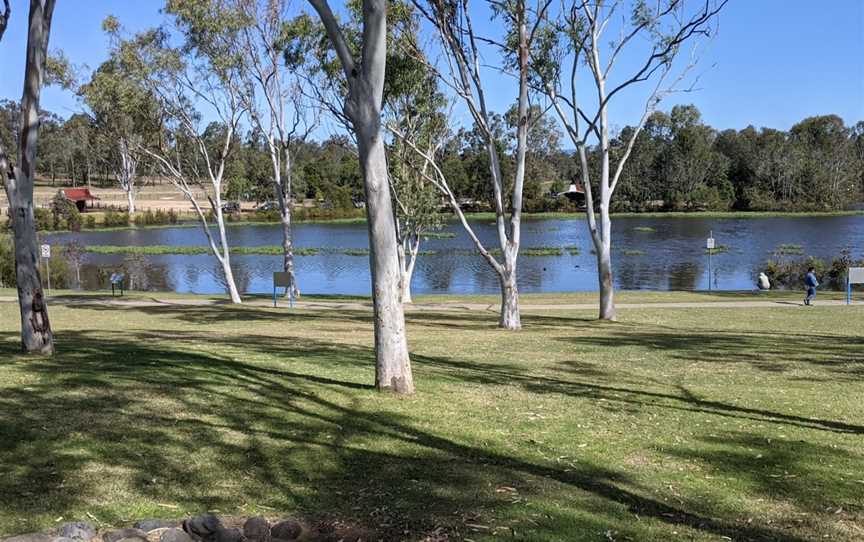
[{"x": 672, "y": 256}]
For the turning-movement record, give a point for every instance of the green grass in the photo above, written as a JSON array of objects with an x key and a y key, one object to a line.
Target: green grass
[
  {"x": 789, "y": 249},
  {"x": 439, "y": 235},
  {"x": 718, "y": 249},
  {"x": 735, "y": 214},
  {"x": 684, "y": 424}
]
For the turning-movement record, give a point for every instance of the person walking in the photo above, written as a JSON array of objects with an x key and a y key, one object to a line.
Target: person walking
[{"x": 811, "y": 283}]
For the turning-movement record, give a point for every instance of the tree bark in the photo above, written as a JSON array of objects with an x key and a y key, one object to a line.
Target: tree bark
[
  {"x": 130, "y": 201},
  {"x": 288, "y": 249},
  {"x": 607, "y": 290},
  {"x": 36, "y": 335},
  {"x": 363, "y": 107},
  {"x": 510, "y": 318},
  {"x": 393, "y": 365}
]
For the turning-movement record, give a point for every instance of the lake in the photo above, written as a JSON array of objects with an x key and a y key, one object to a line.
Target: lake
[{"x": 654, "y": 253}]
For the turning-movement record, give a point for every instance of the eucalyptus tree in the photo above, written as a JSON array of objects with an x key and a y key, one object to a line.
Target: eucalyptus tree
[
  {"x": 648, "y": 39},
  {"x": 192, "y": 84},
  {"x": 363, "y": 69},
  {"x": 461, "y": 47},
  {"x": 414, "y": 110},
  {"x": 414, "y": 117},
  {"x": 124, "y": 112},
  {"x": 17, "y": 179},
  {"x": 271, "y": 92}
]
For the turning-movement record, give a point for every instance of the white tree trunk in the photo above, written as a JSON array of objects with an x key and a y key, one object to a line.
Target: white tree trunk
[
  {"x": 393, "y": 366},
  {"x": 407, "y": 262},
  {"x": 224, "y": 250},
  {"x": 130, "y": 200},
  {"x": 230, "y": 284},
  {"x": 510, "y": 316},
  {"x": 36, "y": 335},
  {"x": 363, "y": 107},
  {"x": 288, "y": 250}
]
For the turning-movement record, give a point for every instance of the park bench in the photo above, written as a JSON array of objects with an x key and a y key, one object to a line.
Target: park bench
[
  {"x": 117, "y": 283},
  {"x": 282, "y": 279},
  {"x": 855, "y": 275}
]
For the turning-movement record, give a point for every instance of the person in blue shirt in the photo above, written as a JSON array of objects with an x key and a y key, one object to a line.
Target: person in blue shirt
[{"x": 811, "y": 283}]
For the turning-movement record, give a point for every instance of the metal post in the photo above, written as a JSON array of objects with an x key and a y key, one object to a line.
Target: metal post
[
  {"x": 848, "y": 288},
  {"x": 274, "y": 295},
  {"x": 710, "y": 250},
  {"x": 48, "y": 274}
]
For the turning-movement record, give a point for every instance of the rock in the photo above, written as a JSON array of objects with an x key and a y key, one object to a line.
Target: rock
[
  {"x": 287, "y": 530},
  {"x": 148, "y": 525},
  {"x": 229, "y": 535},
  {"x": 124, "y": 534},
  {"x": 134, "y": 539},
  {"x": 78, "y": 530},
  {"x": 31, "y": 537},
  {"x": 203, "y": 527},
  {"x": 175, "y": 535},
  {"x": 257, "y": 529}
]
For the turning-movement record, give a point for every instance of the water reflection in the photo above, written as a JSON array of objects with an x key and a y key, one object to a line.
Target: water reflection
[{"x": 670, "y": 255}]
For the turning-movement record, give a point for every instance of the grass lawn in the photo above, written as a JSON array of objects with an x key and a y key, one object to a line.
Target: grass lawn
[{"x": 673, "y": 424}]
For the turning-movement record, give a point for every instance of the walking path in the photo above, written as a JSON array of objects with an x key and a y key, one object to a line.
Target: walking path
[{"x": 416, "y": 307}]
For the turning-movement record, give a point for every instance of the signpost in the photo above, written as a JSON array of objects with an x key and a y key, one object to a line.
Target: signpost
[
  {"x": 282, "y": 279},
  {"x": 855, "y": 275},
  {"x": 709, "y": 246},
  {"x": 45, "y": 250}
]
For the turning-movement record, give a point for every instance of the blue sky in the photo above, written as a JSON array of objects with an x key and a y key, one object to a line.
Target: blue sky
[{"x": 773, "y": 62}]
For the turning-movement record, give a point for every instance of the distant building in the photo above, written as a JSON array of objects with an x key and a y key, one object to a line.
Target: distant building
[{"x": 78, "y": 196}]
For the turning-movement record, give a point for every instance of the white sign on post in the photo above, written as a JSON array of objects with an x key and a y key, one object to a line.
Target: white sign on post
[
  {"x": 46, "y": 251},
  {"x": 709, "y": 244},
  {"x": 856, "y": 275}
]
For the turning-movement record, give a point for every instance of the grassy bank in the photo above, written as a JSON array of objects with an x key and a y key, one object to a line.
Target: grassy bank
[
  {"x": 153, "y": 250},
  {"x": 191, "y": 222},
  {"x": 687, "y": 424}
]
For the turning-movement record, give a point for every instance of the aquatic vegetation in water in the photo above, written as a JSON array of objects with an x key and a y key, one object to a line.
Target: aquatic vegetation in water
[
  {"x": 788, "y": 249},
  {"x": 628, "y": 252},
  {"x": 644, "y": 229}
]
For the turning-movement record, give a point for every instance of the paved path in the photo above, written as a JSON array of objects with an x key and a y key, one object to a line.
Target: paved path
[{"x": 418, "y": 307}]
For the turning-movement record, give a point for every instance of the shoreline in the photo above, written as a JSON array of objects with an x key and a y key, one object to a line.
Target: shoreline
[{"x": 721, "y": 215}]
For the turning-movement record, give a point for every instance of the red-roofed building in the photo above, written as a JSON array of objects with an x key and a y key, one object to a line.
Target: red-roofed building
[{"x": 79, "y": 196}]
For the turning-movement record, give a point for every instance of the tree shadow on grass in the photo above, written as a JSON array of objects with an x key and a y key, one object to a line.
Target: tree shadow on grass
[
  {"x": 773, "y": 352},
  {"x": 206, "y": 430}
]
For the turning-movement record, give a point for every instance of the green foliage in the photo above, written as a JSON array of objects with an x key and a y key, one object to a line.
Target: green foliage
[
  {"x": 157, "y": 218},
  {"x": 57, "y": 265},
  {"x": 7, "y": 262},
  {"x": 44, "y": 219},
  {"x": 113, "y": 218},
  {"x": 65, "y": 214},
  {"x": 789, "y": 273}
]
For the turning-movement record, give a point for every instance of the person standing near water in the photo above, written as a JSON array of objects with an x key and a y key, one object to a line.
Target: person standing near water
[{"x": 811, "y": 283}]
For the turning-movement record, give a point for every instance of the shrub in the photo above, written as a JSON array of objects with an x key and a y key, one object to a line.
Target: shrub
[
  {"x": 57, "y": 265},
  {"x": 789, "y": 273},
  {"x": 65, "y": 214},
  {"x": 113, "y": 219},
  {"x": 44, "y": 219}
]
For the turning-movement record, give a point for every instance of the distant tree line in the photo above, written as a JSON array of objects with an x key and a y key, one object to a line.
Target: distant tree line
[{"x": 678, "y": 163}]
